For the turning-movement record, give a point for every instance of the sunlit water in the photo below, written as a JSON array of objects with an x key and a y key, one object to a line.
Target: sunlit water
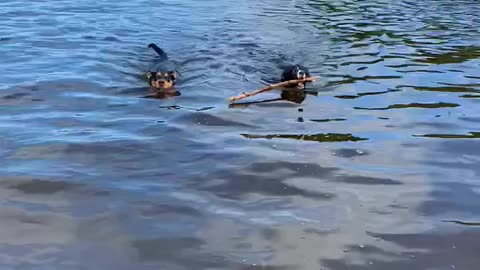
[{"x": 362, "y": 175}]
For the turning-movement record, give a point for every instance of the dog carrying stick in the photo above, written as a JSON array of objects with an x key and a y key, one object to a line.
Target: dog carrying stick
[{"x": 271, "y": 87}]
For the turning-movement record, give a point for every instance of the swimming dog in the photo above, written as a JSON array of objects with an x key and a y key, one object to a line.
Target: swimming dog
[
  {"x": 165, "y": 75},
  {"x": 294, "y": 93}
]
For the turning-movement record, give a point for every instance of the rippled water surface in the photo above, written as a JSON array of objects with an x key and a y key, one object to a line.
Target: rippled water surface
[{"x": 366, "y": 173}]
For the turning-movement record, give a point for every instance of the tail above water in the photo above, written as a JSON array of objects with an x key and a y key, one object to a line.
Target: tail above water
[{"x": 159, "y": 51}]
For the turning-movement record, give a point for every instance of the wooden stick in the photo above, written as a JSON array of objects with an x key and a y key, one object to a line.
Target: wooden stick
[{"x": 271, "y": 87}]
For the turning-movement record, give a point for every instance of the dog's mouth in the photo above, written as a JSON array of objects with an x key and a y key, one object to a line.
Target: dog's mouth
[
  {"x": 161, "y": 80},
  {"x": 162, "y": 84}
]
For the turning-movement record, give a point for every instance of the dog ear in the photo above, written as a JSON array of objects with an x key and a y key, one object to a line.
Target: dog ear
[{"x": 148, "y": 75}]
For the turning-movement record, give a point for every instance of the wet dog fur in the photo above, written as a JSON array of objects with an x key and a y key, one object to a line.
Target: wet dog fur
[
  {"x": 164, "y": 77},
  {"x": 294, "y": 93}
]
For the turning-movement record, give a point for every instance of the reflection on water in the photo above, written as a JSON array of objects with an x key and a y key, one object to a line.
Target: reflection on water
[
  {"x": 452, "y": 89},
  {"x": 358, "y": 95},
  {"x": 450, "y": 55},
  {"x": 414, "y": 105},
  {"x": 328, "y": 137},
  {"x": 328, "y": 120},
  {"x": 359, "y": 172},
  {"x": 470, "y": 96},
  {"x": 463, "y": 222},
  {"x": 472, "y": 135},
  {"x": 164, "y": 94},
  {"x": 246, "y": 104}
]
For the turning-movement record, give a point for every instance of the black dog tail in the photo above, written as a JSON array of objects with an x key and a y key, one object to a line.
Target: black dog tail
[{"x": 157, "y": 49}]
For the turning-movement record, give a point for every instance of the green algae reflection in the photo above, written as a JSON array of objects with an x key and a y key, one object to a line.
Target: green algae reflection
[
  {"x": 472, "y": 135},
  {"x": 454, "y": 55},
  {"x": 436, "y": 105},
  {"x": 320, "y": 137}
]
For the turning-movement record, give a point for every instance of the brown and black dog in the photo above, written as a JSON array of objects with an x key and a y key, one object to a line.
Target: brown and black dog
[{"x": 165, "y": 76}]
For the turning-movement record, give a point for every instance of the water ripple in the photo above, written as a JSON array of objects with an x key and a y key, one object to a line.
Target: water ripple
[{"x": 94, "y": 165}]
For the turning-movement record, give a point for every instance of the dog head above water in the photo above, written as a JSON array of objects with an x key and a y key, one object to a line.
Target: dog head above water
[
  {"x": 295, "y": 72},
  {"x": 162, "y": 80}
]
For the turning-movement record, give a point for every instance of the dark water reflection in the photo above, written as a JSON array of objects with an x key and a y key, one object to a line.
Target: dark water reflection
[{"x": 99, "y": 174}]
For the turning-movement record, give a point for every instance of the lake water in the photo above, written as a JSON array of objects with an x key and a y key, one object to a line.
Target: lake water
[{"x": 363, "y": 174}]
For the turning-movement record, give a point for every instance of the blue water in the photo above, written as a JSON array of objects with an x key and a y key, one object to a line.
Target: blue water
[{"x": 362, "y": 175}]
